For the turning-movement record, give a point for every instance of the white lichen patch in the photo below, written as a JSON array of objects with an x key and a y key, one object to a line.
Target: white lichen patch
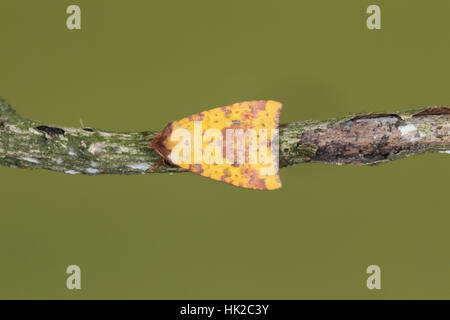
[
  {"x": 62, "y": 139},
  {"x": 34, "y": 131},
  {"x": 407, "y": 129},
  {"x": 71, "y": 172},
  {"x": 14, "y": 129},
  {"x": 94, "y": 164},
  {"x": 28, "y": 159},
  {"x": 382, "y": 120},
  {"x": 59, "y": 161},
  {"x": 124, "y": 135},
  {"x": 139, "y": 166},
  {"x": 123, "y": 150},
  {"x": 97, "y": 148},
  {"x": 418, "y": 137},
  {"x": 92, "y": 170},
  {"x": 76, "y": 132},
  {"x": 445, "y": 151},
  {"x": 105, "y": 134}
]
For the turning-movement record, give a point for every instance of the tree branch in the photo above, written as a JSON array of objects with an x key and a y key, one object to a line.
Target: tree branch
[{"x": 360, "y": 139}]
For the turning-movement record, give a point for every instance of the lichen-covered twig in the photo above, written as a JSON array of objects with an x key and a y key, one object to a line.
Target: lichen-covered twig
[{"x": 360, "y": 139}]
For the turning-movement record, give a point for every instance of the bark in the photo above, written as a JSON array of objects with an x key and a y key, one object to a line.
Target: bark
[{"x": 355, "y": 139}]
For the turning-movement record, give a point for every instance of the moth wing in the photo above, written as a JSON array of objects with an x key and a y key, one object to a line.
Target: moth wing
[{"x": 256, "y": 121}]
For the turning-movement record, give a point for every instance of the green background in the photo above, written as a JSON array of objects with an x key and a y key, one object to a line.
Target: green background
[{"x": 137, "y": 65}]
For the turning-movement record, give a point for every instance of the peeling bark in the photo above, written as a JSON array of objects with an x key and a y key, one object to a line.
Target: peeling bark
[{"x": 358, "y": 139}]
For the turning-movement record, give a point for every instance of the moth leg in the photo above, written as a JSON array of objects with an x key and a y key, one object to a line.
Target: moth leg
[{"x": 161, "y": 162}]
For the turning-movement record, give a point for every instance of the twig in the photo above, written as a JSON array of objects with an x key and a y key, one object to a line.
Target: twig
[{"x": 360, "y": 139}]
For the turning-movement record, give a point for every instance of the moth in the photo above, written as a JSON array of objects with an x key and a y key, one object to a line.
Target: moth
[{"x": 235, "y": 144}]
